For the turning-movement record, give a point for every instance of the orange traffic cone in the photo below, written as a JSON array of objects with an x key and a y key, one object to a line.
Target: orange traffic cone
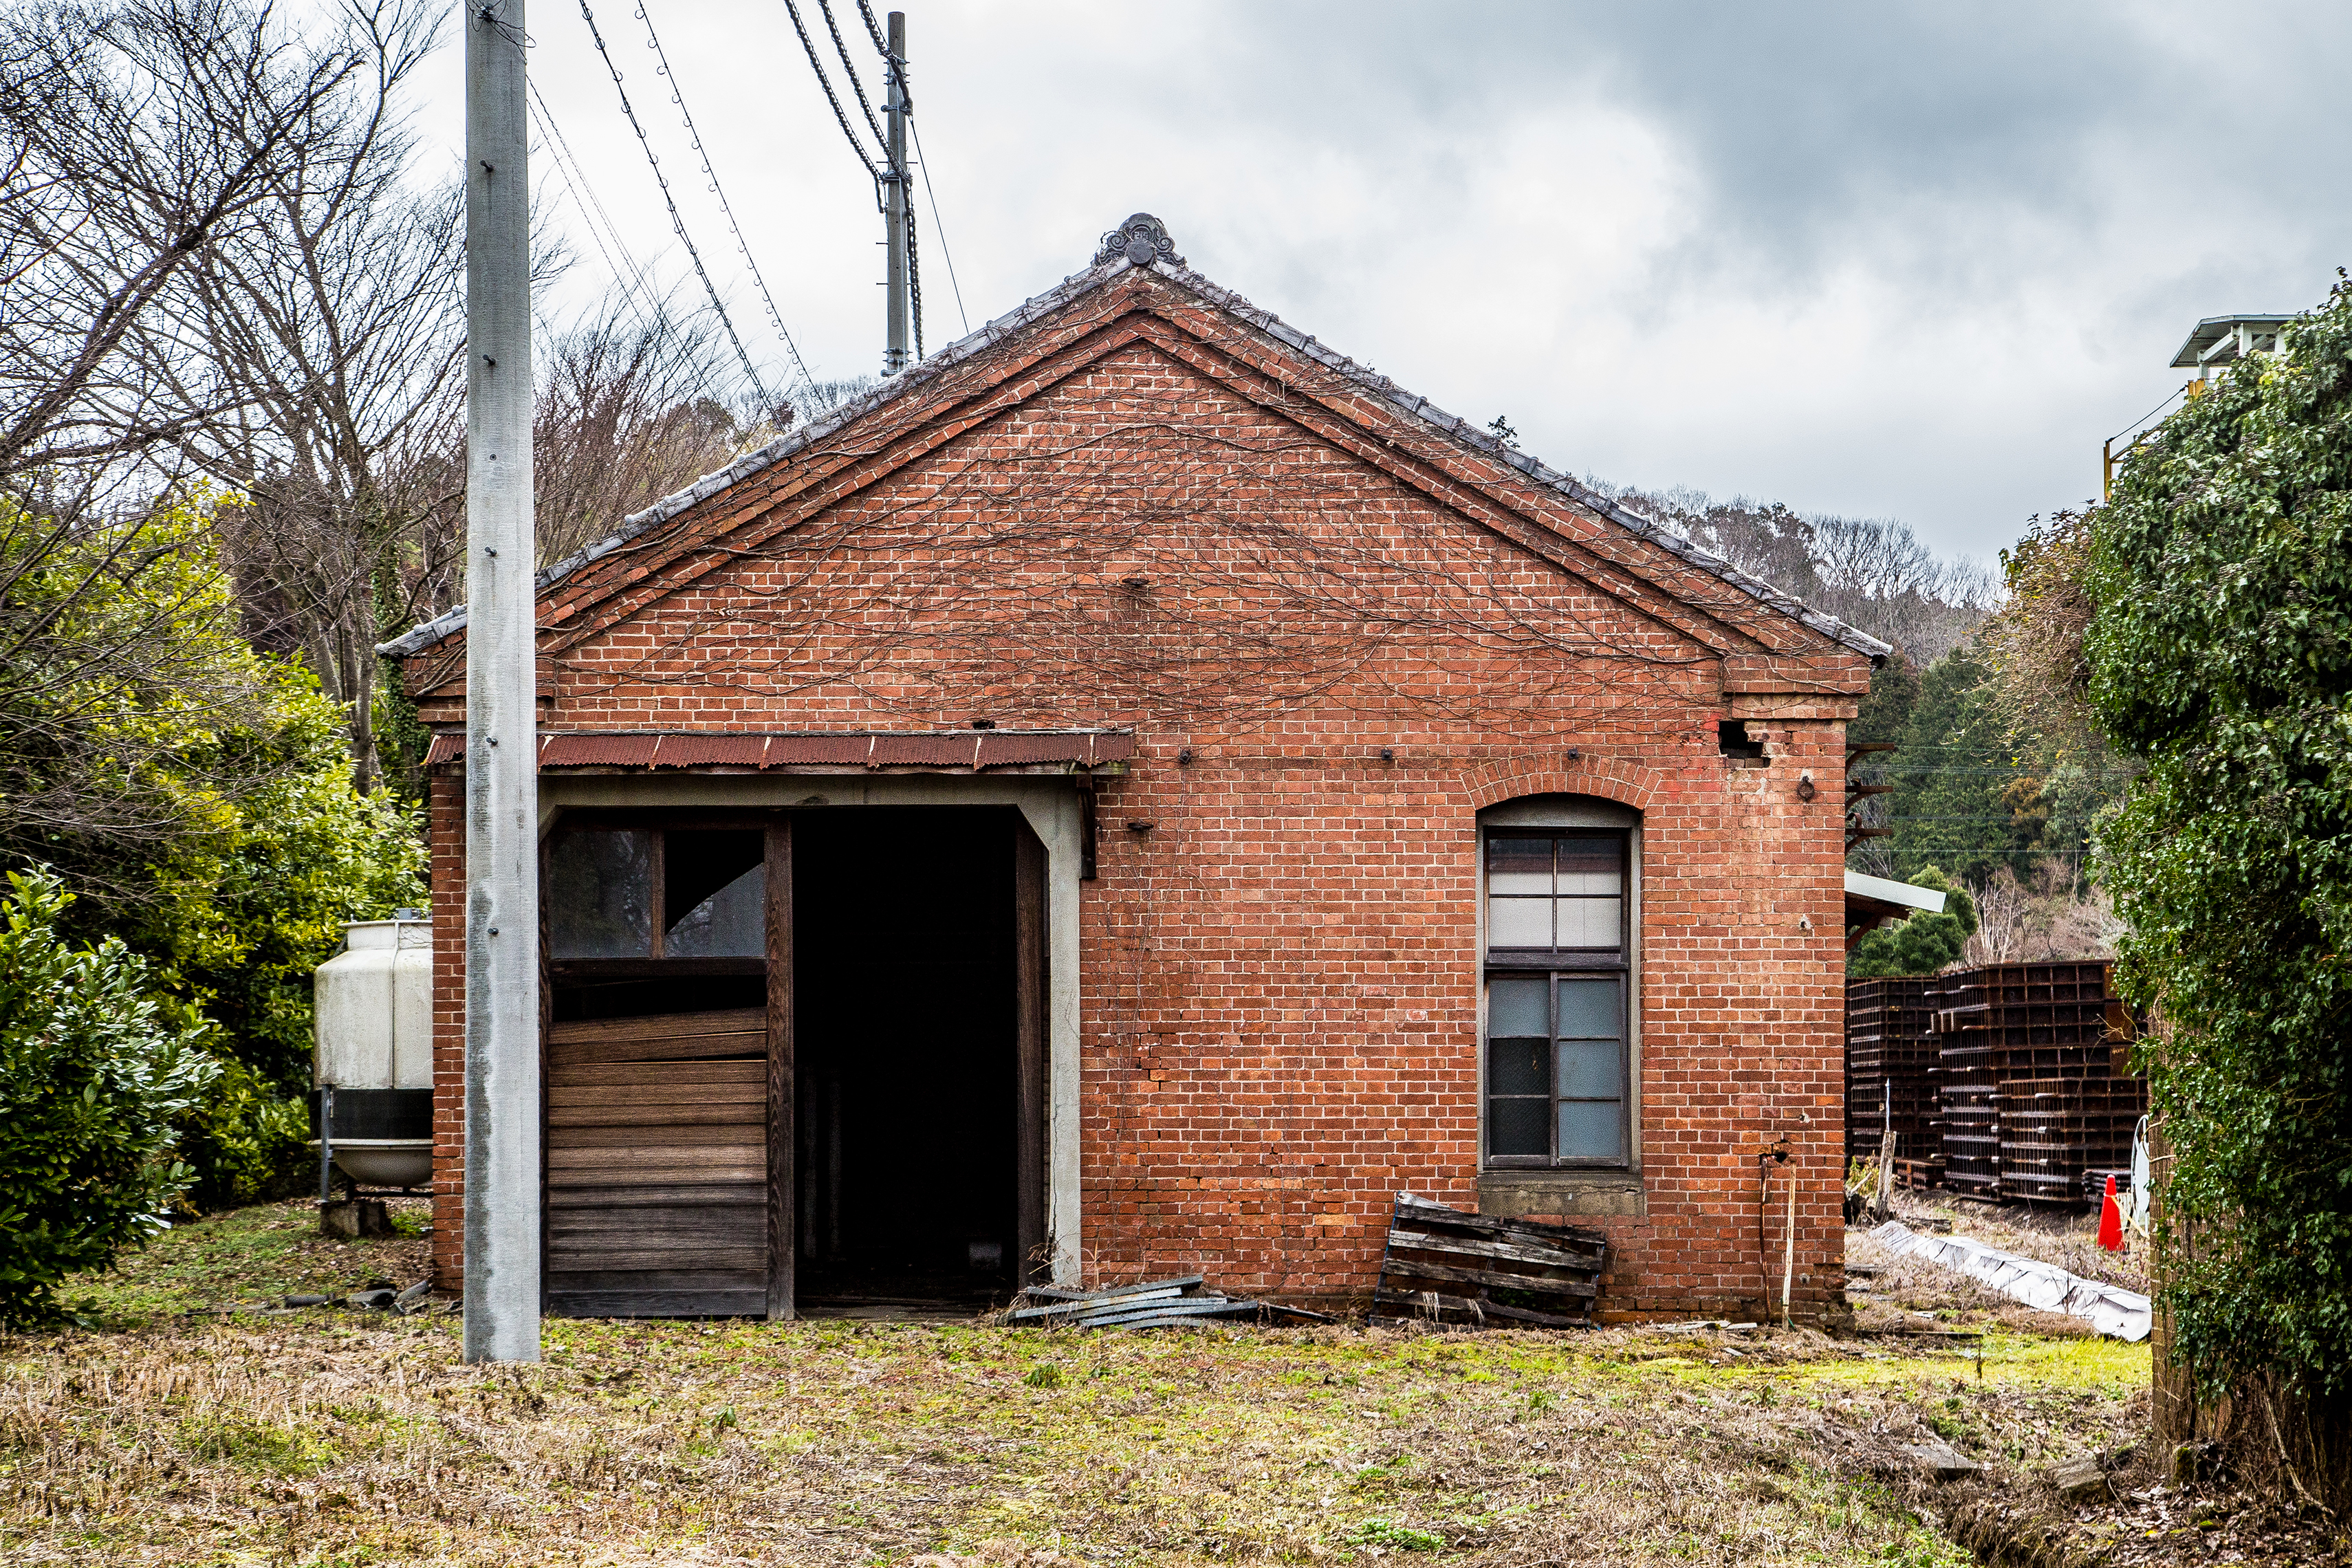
[{"x": 2111, "y": 1221}]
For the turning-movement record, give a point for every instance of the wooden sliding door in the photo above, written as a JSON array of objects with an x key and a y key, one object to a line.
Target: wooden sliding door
[{"x": 658, "y": 1169}]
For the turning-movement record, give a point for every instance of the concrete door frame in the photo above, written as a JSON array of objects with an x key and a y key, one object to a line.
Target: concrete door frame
[{"x": 1053, "y": 812}]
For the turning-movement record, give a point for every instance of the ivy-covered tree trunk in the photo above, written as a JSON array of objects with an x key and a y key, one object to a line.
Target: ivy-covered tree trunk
[{"x": 2221, "y": 655}]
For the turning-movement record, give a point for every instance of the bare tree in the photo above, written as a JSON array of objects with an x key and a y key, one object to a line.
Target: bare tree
[
  {"x": 135, "y": 136},
  {"x": 1874, "y": 573},
  {"x": 337, "y": 321}
]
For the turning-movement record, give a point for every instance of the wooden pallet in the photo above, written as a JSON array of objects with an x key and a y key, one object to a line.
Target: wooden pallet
[{"x": 1447, "y": 1266}]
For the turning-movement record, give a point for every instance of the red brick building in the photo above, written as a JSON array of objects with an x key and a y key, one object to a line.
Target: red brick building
[{"x": 1134, "y": 793}]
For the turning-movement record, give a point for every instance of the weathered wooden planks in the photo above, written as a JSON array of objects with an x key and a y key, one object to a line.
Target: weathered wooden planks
[
  {"x": 657, "y": 1165},
  {"x": 1444, "y": 1266}
]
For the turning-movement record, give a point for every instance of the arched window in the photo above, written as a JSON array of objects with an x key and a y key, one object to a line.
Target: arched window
[{"x": 1559, "y": 933}]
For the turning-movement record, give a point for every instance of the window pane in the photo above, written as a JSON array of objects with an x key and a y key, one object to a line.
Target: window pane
[
  {"x": 1588, "y": 1011},
  {"x": 1590, "y": 923},
  {"x": 1517, "y": 1127},
  {"x": 1592, "y": 864},
  {"x": 731, "y": 923},
  {"x": 600, "y": 894},
  {"x": 1519, "y": 1006},
  {"x": 1517, "y": 1066},
  {"x": 1518, "y": 923},
  {"x": 1588, "y": 1070},
  {"x": 1590, "y": 1129},
  {"x": 1519, "y": 865}
]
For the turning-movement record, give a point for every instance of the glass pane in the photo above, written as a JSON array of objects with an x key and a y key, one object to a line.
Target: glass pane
[
  {"x": 1518, "y": 923},
  {"x": 731, "y": 923},
  {"x": 1517, "y": 1127},
  {"x": 1588, "y": 1011},
  {"x": 1592, "y": 864},
  {"x": 600, "y": 894},
  {"x": 1590, "y": 1129},
  {"x": 1588, "y": 1070},
  {"x": 1590, "y": 923},
  {"x": 1519, "y": 1006},
  {"x": 1519, "y": 865},
  {"x": 1517, "y": 1066}
]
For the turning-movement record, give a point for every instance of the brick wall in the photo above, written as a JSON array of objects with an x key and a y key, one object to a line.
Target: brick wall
[{"x": 1338, "y": 637}]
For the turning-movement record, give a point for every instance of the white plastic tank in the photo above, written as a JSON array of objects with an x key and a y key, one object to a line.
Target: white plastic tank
[{"x": 373, "y": 1005}]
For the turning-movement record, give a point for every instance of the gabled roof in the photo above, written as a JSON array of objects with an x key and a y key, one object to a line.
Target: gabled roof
[{"x": 1141, "y": 244}]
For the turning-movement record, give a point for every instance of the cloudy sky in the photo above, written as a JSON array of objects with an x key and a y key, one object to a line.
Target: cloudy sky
[{"x": 1908, "y": 261}]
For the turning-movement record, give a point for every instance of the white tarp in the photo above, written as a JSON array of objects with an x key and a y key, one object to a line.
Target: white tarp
[{"x": 2125, "y": 1314}]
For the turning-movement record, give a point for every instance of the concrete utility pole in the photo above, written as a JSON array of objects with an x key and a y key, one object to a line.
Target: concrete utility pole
[
  {"x": 501, "y": 721},
  {"x": 894, "y": 206}
]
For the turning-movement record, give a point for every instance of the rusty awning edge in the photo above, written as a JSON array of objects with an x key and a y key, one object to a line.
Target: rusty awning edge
[{"x": 832, "y": 752}]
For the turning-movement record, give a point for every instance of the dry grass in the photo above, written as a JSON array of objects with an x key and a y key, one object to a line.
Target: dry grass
[{"x": 324, "y": 1438}]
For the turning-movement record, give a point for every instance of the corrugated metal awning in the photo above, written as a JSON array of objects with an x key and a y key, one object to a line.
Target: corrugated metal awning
[{"x": 936, "y": 751}]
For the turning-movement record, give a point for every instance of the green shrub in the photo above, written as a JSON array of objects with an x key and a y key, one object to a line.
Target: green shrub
[
  {"x": 2220, "y": 654},
  {"x": 246, "y": 1142},
  {"x": 1922, "y": 945},
  {"x": 91, "y": 1082}
]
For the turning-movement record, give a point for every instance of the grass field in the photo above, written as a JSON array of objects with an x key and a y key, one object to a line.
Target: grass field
[{"x": 321, "y": 1437}]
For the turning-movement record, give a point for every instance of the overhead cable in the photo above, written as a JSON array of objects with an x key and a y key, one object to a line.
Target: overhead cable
[
  {"x": 849, "y": 68},
  {"x": 767, "y": 404},
  {"x": 938, "y": 227},
  {"x": 632, "y": 280},
  {"x": 839, "y": 114},
  {"x": 677, "y": 96}
]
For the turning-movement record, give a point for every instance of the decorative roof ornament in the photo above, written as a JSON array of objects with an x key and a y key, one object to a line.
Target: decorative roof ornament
[{"x": 1142, "y": 239}]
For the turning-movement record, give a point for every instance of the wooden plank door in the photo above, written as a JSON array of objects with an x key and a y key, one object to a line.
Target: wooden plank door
[{"x": 657, "y": 1166}]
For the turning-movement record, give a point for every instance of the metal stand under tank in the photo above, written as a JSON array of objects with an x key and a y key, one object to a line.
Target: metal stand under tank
[{"x": 372, "y": 1113}]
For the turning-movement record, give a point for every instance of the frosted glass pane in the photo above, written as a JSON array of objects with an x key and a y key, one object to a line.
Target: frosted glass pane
[
  {"x": 1519, "y": 1006},
  {"x": 1590, "y": 923},
  {"x": 1517, "y": 1127},
  {"x": 1518, "y": 923},
  {"x": 1519, "y": 865},
  {"x": 731, "y": 923},
  {"x": 1601, "y": 855},
  {"x": 1590, "y": 1129},
  {"x": 1517, "y": 1066},
  {"x": 1588, "y": 1011},
  {"x": 1608, "y": 883},
  {"x": 599, "y": 889},
  {"x": 1588, "y": 1070}
]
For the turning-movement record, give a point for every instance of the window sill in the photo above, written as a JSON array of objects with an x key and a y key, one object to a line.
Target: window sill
[{"x": 1512, "y": 1195}]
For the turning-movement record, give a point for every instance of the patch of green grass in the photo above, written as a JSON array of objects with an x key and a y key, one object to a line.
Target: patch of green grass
[
  {"x": 264, "y": 1448},
  {"x": 1397, "y": 1537},
  {"x": 266, "y": 1252}
]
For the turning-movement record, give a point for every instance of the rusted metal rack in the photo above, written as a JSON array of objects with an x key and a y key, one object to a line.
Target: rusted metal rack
[
  {"x": 2026, "y": 1078},
  {"x": 1890, "y": 1059}
]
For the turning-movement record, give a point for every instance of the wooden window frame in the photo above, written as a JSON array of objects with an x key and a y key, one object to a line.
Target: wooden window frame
[
  {"x": 656, "y": 964},
  {"x": 1552, "y": 965}
]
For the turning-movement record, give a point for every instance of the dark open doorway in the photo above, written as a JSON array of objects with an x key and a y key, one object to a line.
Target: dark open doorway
[{"x": 916, "y": 1120}]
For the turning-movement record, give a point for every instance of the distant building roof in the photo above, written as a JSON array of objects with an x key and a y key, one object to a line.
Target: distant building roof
[
  {"x": 1901, "y": 897},
  {"x": 2218, "y": 339}
]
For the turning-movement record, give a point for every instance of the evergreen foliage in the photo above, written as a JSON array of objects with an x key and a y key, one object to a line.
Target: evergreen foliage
[
  {"x": 2221, "y": 655},
  {"x": 92, "y": 1080},
  {"x": 1922, "y": 943},
  {"x": 198, "y": 797}
]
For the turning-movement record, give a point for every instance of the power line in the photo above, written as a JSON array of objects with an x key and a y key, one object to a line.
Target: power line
[
  {"x": 575, "y": 180},
  {"x": 850, "y": 70},
  {"x": 938, "y": 227},
  {"x": 839, "y": 114},
  {"x": 677, "y": 221},
  {"x": 677, "y": 96}
]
